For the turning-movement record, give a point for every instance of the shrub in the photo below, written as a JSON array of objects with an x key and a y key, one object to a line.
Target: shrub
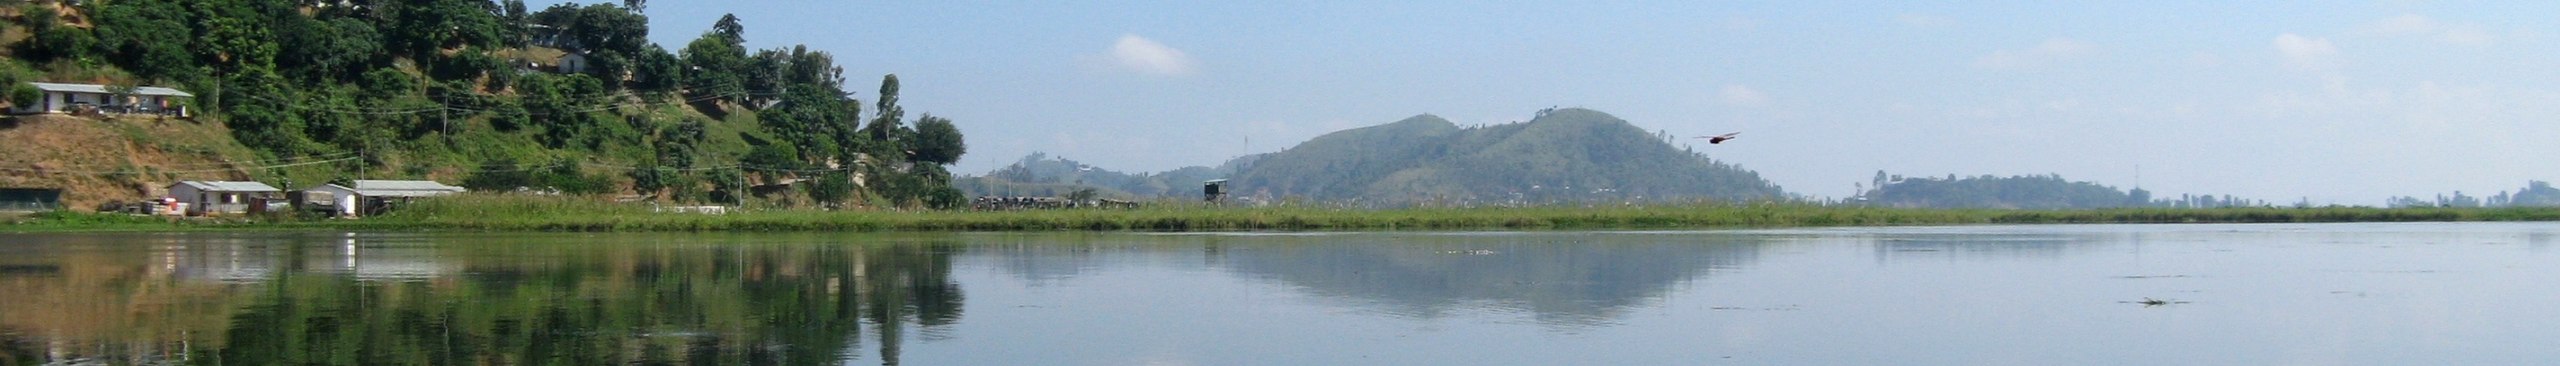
[{"x": 22, "y": 94}]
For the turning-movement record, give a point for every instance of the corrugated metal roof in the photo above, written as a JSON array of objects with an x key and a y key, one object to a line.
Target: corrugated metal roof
[
  {"x": 405, "y": 185},
  {"x": 225, "y": 186},
  {"x": 102, "y": 89},
  {"x": 394, "y": 188}
]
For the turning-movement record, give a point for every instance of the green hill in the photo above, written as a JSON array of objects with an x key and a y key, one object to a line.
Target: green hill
[
  {"x": 1568, "y": 155},
  {"x": 492, "y": 95}
]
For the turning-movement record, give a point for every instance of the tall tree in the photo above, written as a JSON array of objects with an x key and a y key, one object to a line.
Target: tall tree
[
  {"x": 717, "y": 65},
  {"x": 730, "y": 27},
  {"x": 516, "y": 16},
  {"x": 885, "y": 123}
]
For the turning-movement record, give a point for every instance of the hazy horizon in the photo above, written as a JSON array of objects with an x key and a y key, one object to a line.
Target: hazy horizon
[{"x": 2346, "y": 103}]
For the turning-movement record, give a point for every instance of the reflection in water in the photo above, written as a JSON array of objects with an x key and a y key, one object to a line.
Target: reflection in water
[
  {"x": 1561, "y": 279},
  {"x": 2421, "y": 293},
  {"x": 1565, "y": 279},
  {"x": 1978, "y": 246},
  {"x": 332, "y": 299}
]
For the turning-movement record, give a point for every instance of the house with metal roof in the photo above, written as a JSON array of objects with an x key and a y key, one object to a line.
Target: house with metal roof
[
  {"x": 85, "y": 98},
  {"x": 369, "y": 197},
  {"x": 224, "y": 197}
]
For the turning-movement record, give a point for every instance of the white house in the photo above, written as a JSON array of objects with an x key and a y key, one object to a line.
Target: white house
[
  {"x": 371, "y": 196},
  {"x": 574, "y": 63},
  {"x": 66, "y": 98},
  {"x": 220, "y": 197}
]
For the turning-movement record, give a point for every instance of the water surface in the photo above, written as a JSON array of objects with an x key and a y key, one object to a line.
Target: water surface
[{"x": 2469, "y": 293}]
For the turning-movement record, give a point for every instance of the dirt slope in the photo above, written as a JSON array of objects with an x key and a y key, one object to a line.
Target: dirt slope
[{"x": 97, "y": 160}]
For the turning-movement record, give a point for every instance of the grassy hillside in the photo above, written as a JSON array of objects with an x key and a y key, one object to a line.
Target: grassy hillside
[
  {"x": 119, "y": 159},
  {"x": 1569, "y": 155}
]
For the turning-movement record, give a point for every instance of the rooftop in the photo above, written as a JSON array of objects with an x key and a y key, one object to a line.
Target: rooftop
[
  {"x": 102, "y": 89},
  {"x": 227, "y": 186}
]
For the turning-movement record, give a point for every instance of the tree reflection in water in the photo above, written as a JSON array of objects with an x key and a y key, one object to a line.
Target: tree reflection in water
[{"x": 323, "y": 299}]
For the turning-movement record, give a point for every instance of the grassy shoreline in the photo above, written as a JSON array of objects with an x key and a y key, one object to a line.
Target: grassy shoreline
[{"x": 517, "y": 213}]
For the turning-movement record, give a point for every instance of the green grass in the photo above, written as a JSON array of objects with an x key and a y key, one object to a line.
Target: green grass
[
  {"x": 66, "y": 221},
  {"x": 489, "y": 212}
]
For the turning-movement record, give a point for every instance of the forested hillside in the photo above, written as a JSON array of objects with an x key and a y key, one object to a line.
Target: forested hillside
[
  {"x": 1562, "y": 156},
  {"x": 1041, "y": 175},
  {"x": 494, "y": 96}
]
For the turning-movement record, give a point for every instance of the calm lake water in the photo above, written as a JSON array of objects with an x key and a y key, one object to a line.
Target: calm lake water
[{"x": 2318, "y": 294}]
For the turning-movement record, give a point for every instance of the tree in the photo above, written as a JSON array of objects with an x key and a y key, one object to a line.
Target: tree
[
  {"x": 831, "y": 188},
  {"x": 260, "y": 124},
  {"x": 772, "y": 160},
  {"x": 730, "y": 28},
  {"x": 657, "y": 71},
  {"x": 887, "y": 110},
  {"x": 232, "y": 39},
  {"x": 517, "y": 33},
  {"x": 331, "y": 50},
  {"x": 938, "y": 141},
  {"x": 420, "y": 29},
  {"x": 762, "y": 75},
  {"x": 148, "y": 38},
  {"x": 52, "y": 40},
  {"x": 714, "y": 63},
  {"x": 387, "y": 83},
  {"x": 649, "y": 180}
]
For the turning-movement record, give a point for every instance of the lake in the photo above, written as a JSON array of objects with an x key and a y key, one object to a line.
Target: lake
[{"x": 2313, "y": 294}]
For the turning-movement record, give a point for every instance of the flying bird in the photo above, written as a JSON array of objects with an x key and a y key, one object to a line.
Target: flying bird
[{"x": 1718, "y": 139}]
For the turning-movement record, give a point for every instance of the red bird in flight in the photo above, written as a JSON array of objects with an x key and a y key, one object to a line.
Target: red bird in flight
[{"x": 1718, "y": 139}]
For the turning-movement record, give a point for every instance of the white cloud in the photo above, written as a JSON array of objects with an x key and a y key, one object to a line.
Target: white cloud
[
  {"x": 1742, "y": 96},
  {"x": 1924, "y": 20},
  {"x": 2051, "y": 51},
  {"x": 2468, "y": 34},
  {"x": 2306, "y": 52},
  {"x": 1145, "y": 55}
]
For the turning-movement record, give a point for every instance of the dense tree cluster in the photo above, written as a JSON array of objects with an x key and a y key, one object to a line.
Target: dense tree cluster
[
  {"x": 455, "y": 88},
  {"x": 2535, "y": 193},
  {"x": 2049, "y": 191}
]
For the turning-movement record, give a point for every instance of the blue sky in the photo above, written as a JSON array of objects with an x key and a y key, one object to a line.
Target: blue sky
[{"x": 2336, "y": 102}]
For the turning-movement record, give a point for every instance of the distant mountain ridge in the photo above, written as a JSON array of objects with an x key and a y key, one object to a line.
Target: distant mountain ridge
[{"x": 1562, "y": 156}]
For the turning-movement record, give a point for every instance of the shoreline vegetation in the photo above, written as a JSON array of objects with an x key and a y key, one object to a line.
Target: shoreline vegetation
[{"x": 514, "y": 213}]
